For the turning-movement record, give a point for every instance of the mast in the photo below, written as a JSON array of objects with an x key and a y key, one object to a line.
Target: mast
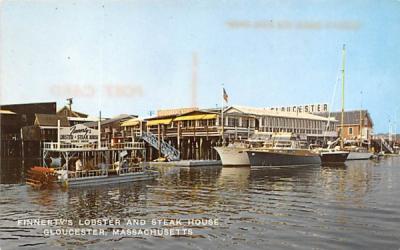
[
  {"x": 222, "y": 115},
  {"x": 361, "y": 120},
  {"x": 99, "y": 128},
  {"x": 342, "y": 120}
]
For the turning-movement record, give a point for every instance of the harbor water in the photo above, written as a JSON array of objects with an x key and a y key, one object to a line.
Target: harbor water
[{"x": 355, "y": 206}]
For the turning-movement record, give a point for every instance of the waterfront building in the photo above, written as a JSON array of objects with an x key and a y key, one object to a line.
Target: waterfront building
[
  {"x": 47, "y": 124},
  {"x": 22, "y": 115},
  {"x": 132, "y": 128},
  {"x": 111, "y": 129},
  {"x": 194, "y": 132},
  {"x": 308, "y": 126},
  {"x": 13, "y": 118},
  {"x": 357, "y": 124},
  {"x": 8, "y": 120}
]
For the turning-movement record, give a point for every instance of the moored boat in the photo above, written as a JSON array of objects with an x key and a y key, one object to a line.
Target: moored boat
[
  {"x": 283, "y": 157},
  {"x": 233, "y": 155},
  {"x": 333, "y": 156},
  {"x": 89, "y": 161},
  {"x": 336, "y": 155},
  {"x": 284, "y": 150},
  {"x": 359, "y": 155}
]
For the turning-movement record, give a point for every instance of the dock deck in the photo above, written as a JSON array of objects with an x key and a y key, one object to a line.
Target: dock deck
[{"x": 185, "y": 163}]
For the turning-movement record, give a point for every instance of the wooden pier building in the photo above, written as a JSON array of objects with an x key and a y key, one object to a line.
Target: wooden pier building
[{"x": 195, "y": 132}]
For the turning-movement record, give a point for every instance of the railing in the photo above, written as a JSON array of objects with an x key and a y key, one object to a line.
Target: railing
[
  {"x": 123, "y": 145},
  {"x": 166, "y": 149},
  {"x": 87, "y": 173},
  {"x": 104, "y": 145},
  {"x": 387, "y": 146},
  {"x": 135, "y": 169},
  {"x": 134, "y": 133},
  {"x": 54, "y": 145}
]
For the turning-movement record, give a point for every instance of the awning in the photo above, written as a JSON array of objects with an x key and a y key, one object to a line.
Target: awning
[
  {"x": 195, "y": 117},
  {"x": 160, "y": 121},
  {"x": 210, "y": 116},
  {"x": 189, "y": 117},
  {"x": 6, "y": 112},
  {"x": 130, "y": 122}
]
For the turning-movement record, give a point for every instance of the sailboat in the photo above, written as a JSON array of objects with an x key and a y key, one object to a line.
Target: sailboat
[
  {"x": 358, "y": 152},
  {"x": 337, "y": 154}
]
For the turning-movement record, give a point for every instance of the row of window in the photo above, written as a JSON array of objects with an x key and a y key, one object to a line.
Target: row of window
[
  {"x": 267, "y": 123},
  {"x": 195, "y": 123},
  {"x": 293, "y": 123},
  {"x": 293, "y": 130},
  {"x": 238, "y": 122}
]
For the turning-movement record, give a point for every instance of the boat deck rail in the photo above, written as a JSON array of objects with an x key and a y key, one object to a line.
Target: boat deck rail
[
  {"x": 134, "y": 169},
  {"x": 87, "y": 173},
  {"x": 103, "y": 146},
  {"x": 103, "y": 172}
]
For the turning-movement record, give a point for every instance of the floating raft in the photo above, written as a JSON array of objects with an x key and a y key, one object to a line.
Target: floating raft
[{"x": 185, "y": 163}]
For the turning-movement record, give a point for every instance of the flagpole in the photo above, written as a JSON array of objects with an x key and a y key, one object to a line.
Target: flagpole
[{"x": 222, "y": 114}]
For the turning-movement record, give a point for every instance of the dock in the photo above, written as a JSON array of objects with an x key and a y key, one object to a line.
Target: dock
[{"x": 185, "y": 163}]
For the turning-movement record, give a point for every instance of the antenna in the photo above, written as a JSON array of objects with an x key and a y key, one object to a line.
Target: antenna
[{"x": 69, "y": 101}]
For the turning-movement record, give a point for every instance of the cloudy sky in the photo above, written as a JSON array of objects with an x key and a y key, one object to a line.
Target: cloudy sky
[{"x": 137, "y": 56}]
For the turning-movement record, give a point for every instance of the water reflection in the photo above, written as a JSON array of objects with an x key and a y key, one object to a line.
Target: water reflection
[{"x": 356, "y": 205}]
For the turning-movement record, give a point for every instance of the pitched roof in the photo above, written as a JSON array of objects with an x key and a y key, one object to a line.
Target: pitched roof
[
  {"x": 71, "y": 113},
  {"x": 176, "y": 112},
  {"x": 119, "y": 118},
  {"x": 51, "y": 120},
  {"x": 184, "y": 113},
  {"x": 350, "y": 117}
]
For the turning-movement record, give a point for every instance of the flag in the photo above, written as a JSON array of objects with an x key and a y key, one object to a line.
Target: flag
[{"x": 225, "y": 95}]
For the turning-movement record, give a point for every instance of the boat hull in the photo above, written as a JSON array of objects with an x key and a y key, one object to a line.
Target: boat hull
[
  {"x": 110, "y": 179},
  {"x": 359, "y": 156},
  {"x": 334, "y": 157},
  {"x": 233, "y": 156},
  {"x": 278, "y": 158}
]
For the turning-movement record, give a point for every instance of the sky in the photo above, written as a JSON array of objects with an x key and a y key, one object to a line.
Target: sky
[{"x": 136, "y": 57}]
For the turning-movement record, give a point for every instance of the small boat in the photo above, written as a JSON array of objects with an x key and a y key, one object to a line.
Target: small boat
[
  {"x": 233, "y": 155},
  {"x": 284, "y": 152},
  {"x": 333, "y": 156},
  {"x": 359, "y": 154},
  {"x": 283, "y": 157},
  {"x": 336, "y": 155},
  {"x": 358, "y": 150}
]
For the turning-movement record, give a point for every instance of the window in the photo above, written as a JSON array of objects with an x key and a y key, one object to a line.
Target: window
[
  {"x": 245, "y": 123},
  {"x": 211, "y": 122},
  {"x": 233, "y": 122},
  {"x": 203, "y": 123},
  {"x": 350, "y": 131}
]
